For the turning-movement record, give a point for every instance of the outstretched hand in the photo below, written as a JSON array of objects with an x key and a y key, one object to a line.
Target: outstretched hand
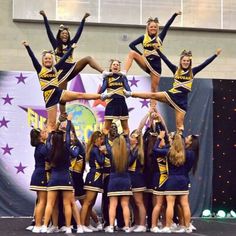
[
  {"x": 127, "y": 93},
  {"x": 42, "y": 12},
  {"x": 218, "y": 51},
  {"x": 74, "y": 45},
  {"x": 70, "y": 116},
  {"x": 86, "y": 15},
  {"x": 179, "y": 13},
  {"x": 25, "y": 43}
]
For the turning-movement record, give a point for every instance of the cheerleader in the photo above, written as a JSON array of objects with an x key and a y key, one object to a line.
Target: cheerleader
[
  {"x": 61, "y": 44},
  {"x": 149, "y": 60},
  {"x": 119, "y": 186},
  {"x": 38, "y": 181},
  {"x": 182, "y": 85},
  {"x": 137, "y": 178},
  {"x": 94, "y": 179},
  {"x": 177, "y": 182},
  {"x": 116, "y": 106},
  {"x": 160, "y": 177},
  {"x": 48, "y": 79},
  {"x": 60, "y": 180}
]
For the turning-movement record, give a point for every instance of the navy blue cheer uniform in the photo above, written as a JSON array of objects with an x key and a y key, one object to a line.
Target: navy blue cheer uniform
[
  {"x": 119, "y": 183},
  {"x": 150, "y": 55},
  {"x": 189, "y": 164},
  {"x": 39, "y": 177},
  {"x": 149, "y": 138},
  {"x": 161, "y": 175},
  {"x": 94, "y": 178},
  {"x": 60, "y": 175},
  {"x": 178, "y": 95},
  {"x": 136, "y": 172},
  {"x": 77, "y": 167},
  {"x": 48, "y": 79},
  {"x": 69, "y": 65},
  {"x": 177, "y": 182},
  {"x": 116, "y": 107},
  {"x": 105, "y": 199}
]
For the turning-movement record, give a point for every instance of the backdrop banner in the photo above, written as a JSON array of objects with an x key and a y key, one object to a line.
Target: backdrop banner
[{"x": 22, "y": 107}]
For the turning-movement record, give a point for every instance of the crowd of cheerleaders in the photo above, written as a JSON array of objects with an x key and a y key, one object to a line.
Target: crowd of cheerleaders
[{"x": 150, "y": 178}]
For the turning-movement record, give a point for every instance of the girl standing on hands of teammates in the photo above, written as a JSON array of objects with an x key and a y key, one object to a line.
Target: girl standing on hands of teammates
[
  {"x": 116, "y": 105},
  {"x": 149, "y": 60}
]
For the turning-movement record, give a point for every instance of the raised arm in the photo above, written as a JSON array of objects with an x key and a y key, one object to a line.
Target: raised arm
[
  {"x": 160, "y": 151},
  {"x": 171, "y": 66},
  {"x": 68, "y": 129},
  {"x": 126, "y": 84},
  {"x": 133, "y": 44},
  {"x": 206, "y": 63},
  {"x": 80, "y": 29},
  {"x": 142, "y": 123},
  {"x": 51, "y": 37},
  {"x": 162, "y": 35},
  {"x": 65, "y": 56},
  {"x": 35, "y": 62}
]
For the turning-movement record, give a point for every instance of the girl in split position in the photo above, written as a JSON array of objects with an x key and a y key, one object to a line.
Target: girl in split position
[
  {"x": 177, "y": 97},
  {"x": 48, "y": 79}
]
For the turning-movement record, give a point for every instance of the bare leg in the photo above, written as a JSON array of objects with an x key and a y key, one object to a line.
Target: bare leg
[
  {"x": 62, "y": 106},
  {"x": 179, "y": 116},
  {"x": 75, "y": 211},
  {"x": 51, "y": 199},
  {"x": 125, "y": 126},
  {"x": 55, "y": 213},
  {"x": 154, "y": 87},
  {"x": 67, "y": 201},
  {"x": 107, "y": 126},
  {"x": 186, "y": 209},
  {"x": 159, "y": 96},
  {"x": 72, "y": 96},
  {"x": 80, "y": 65},
  {"x": 156, "y": 210},
  {"x": 137, "y": 57},
  {"x": 89, "y": 199},
  {"x": 170, "y": 209},
  {"x": 40, "y": 207},
  {"x": 138, "y": 198},
  {"x": 52, "y": 117},
  {"x": 125, "y": 207},
  {"x": 112, "y": 209}
]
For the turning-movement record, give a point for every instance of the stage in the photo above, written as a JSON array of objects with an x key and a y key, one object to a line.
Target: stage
[{"x": 205, "y": 227}]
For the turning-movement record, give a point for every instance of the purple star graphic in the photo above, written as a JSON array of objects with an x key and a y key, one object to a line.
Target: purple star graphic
[
  {"x": 7, "y": 99},
  {"x": 7, "y": 149},
  {"x": 20, "y": 168},
  {"x": 4, "y": 122},
  {"x": 133, "y": 82},
  {"x": 21, "y": 78},
  {"x": 144, "y": 103}
]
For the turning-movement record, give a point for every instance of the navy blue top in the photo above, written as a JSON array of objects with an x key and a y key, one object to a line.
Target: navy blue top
[
  {"x": 183, "y": 81},
  {"x": 41, "y": 152},
  {"x": 117, "y": 83},
  {"x": 161, "y": 35},
  {"x": 47, "y": 76},
  {"x": 55, "y": 43},
  {"x": 134, "y": 163},
  {"x": 96, "y": 160}
]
